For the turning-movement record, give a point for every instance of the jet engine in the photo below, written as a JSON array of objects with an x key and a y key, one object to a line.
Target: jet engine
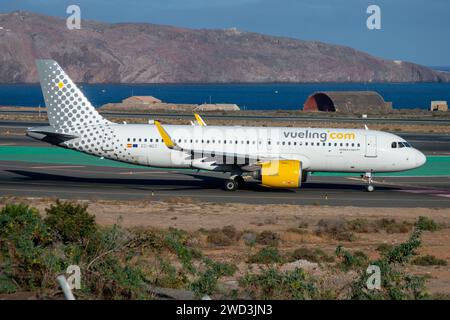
[{"x": 280, "y": 174}]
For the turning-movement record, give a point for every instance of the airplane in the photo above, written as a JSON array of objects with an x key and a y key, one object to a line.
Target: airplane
[{"x": 277, "y": 157}]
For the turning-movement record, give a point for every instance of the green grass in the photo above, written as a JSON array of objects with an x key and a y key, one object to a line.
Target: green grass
[{"x": 435, "y": 166}]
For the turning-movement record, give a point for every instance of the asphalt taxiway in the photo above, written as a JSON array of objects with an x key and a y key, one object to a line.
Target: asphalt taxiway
[{"x": 90, "y": 182}]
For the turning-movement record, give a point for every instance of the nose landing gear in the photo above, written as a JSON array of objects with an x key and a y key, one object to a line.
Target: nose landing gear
[{"x": 369, "y": 178}]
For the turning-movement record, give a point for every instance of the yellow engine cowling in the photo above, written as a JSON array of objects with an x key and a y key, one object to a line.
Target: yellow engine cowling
[{"x": 281, "y": 174}]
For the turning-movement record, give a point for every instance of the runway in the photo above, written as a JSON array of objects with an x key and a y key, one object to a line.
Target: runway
[{"x": 90, "y": 182}]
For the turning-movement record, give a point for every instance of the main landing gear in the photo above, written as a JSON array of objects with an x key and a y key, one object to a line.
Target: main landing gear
[
  {"x": 369, "y": 178},
  {"x": 234, "y": 183}
]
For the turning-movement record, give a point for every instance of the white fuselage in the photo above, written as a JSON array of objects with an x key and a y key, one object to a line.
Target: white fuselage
[{"x": 341, "y": 150}]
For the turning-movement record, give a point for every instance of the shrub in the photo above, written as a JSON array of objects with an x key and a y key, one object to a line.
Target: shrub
[
  {"x": 361, "y": 226},
  {"x": 223, "y": 237},
  {"x": 349, "y": 260},
  {"x": 23, "y": 241},
  {"x": 429, "y": 260},
  {"x": 218, "y": 238},
  {"x": 272, "y": 284},
  {"x": 268, "y": 238},
  {"x": 396, "y": 284},
  {"x": 427, "y": 224},
  {"x": 266, "y": 256},
  {"x": 317, "y": 255},
  {"x": 393, "y": 226},
  {"x": 335, "y": 228},
  {"x": 384, "y": 247},
  {"x": 206, "y": 282},
  {"x": 70, "y": 222}
]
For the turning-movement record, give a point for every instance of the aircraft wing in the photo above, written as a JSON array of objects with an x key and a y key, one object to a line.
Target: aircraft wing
[{"x": 245, "y": 160}]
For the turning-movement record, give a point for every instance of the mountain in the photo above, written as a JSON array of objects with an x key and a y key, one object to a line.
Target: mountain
[{"x": 147, "y": 53}]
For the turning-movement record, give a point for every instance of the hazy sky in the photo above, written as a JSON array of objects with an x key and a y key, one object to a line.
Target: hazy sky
[{"x": 412, "y": 30}]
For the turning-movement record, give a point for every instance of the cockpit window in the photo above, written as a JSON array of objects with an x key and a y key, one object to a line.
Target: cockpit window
[{"x": 400, "y": 144}]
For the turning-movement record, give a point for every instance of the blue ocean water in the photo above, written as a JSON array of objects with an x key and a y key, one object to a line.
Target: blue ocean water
[{"x": 247, "y": 96}]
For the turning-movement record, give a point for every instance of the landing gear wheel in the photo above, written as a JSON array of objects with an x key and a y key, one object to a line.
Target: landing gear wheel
[
  {"x": 369, "y": 178},
  {"x": 231, "y": 185}
]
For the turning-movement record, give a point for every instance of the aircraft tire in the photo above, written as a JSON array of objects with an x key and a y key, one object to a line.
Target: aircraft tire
[{"x": 231, "y": 185}]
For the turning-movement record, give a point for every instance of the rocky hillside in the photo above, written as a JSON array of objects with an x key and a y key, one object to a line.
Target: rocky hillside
[{"x": 147, "y": 53}]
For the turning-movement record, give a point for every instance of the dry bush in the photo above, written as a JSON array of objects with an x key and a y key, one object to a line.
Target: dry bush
[
  {"x": 335, "y": 228},
  {"x": 223, "y": 237},
  {"x": 268, "y": 238}
]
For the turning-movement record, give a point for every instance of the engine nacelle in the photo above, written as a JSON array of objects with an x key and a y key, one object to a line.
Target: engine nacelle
[{"x": 280, "y": 174}]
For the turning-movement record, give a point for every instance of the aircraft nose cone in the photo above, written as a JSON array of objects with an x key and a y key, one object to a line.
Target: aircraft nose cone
[{"x": 420, "y": 159}]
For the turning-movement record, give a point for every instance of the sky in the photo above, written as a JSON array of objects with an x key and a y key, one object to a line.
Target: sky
[{"x": 411, "y": 30}]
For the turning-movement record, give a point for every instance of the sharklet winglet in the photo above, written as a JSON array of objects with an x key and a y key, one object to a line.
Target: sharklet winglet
[
  {"x": 165, "y": 136},
  {"x": 199, "y": 120}
]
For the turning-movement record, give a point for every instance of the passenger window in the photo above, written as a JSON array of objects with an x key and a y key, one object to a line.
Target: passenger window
[
  {"x": 306, "y": 143},
  {"x": 284, "y": 143},
  {"x": 359, "y": 145},
  {"x": 128, "y": 139},
  {"x": 156, "y": 140},
  {"x": 134, "y": 139},
  {"x": 289, "y": 143},
  {"x": 295, "y": 143},
  {"x": 151, "y": 140},
  {"x": 341, "y": 144},
  {"x": 145, "y": 140}
]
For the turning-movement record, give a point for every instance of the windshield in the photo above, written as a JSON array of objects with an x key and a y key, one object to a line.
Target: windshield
[{"x": 400, "y": 144}]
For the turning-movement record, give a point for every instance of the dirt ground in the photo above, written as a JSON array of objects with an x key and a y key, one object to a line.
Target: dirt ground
[{"x": 192, "y": 216}]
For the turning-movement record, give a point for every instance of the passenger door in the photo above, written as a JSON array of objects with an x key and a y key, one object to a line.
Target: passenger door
[{"x": 371, "y": 146}]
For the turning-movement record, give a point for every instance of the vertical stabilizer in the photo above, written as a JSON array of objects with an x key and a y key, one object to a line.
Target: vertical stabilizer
[{"x": 68, "y": 109}]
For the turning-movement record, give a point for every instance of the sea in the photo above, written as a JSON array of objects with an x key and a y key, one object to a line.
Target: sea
[{"x": 267, "y": 96}]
